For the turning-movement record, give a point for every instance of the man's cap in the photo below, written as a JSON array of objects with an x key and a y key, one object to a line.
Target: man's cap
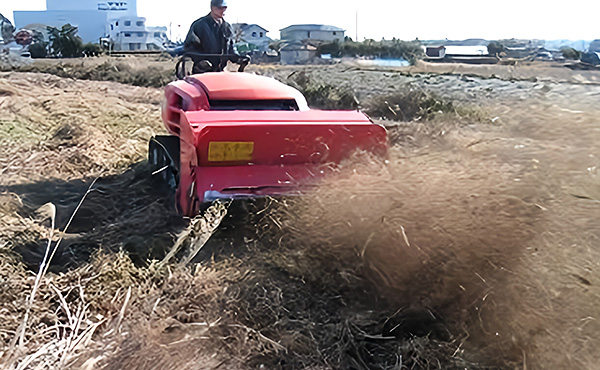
[{"x": 219, "y": 3}]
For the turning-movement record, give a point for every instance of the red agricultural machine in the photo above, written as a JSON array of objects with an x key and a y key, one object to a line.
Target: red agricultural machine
[{"x": 241, "y": 135}]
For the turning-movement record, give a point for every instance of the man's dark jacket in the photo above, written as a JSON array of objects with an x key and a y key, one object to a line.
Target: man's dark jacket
[{"x": 206, "y": 36}]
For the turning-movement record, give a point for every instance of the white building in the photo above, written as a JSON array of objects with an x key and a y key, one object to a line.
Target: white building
[
  {"x": 130, "y": 33},
  {"x": 252, "y": 34},
  {"x": 466, "y": 50},
  {"x": 315, "y": 32},
  {"x": 159, "y": 34},
  {"x": 96, "y": 19}
]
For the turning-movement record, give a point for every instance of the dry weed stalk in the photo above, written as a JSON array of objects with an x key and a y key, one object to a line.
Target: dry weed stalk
[
  {"x": 265, "y": 341},
  {"x": 19, "y": 337},
  {"x": 18, "y": 343},
  {"x": 199, "y": 231}
]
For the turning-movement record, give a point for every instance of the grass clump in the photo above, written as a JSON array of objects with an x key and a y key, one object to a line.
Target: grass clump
[
  {"x": 150, "y": 76},
  {"x": 407, "y": 104},
  {"x": 412, "y": 104},
  {"x": 144, "y": 75},
  {"x": 323, "y": 95}
]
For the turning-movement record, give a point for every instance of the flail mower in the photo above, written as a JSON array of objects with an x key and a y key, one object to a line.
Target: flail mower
[{"x": 236, "y": 135}]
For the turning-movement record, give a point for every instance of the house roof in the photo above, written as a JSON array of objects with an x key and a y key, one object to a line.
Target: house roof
[{"x": 312, "y": 27}]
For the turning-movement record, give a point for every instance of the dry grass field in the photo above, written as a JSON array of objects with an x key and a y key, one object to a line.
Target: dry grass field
[{"x": 475, "y": 246}]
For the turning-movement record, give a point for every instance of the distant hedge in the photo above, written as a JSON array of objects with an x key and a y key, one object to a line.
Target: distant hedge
[{"x": 409, "y": 50}]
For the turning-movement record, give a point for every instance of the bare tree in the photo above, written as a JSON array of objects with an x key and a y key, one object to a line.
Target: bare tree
[{"x": 6, "y": 29}]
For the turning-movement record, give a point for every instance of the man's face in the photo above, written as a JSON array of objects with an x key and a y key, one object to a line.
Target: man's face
[{"x": 218, "y": 11}]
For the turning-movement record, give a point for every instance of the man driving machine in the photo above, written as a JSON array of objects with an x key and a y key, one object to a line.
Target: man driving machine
[{"x": 211, "y": 36}]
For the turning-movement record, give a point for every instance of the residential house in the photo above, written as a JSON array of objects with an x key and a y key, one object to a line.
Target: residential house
[
  {"x": 313, "y": 32},
  {"x": 455, "y": 50},
  {"x": 130, "y": 33},
  {"x": 252, "y": 34},
  {"x": 435, "y": 51},
  {"x": 591, "y": 57},
  {"x": 158, "y": 35},
  {"x": 471, "y": 54},
  {"x": 543, "y": 54}
]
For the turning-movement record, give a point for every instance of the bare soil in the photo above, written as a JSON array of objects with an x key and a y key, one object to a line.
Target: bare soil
[{"x": 475, "y": 246}]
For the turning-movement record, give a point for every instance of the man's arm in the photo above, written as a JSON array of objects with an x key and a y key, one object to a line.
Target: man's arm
[
  {"x": 192, "y": 41},
  {"x": 228, "y": 36}
]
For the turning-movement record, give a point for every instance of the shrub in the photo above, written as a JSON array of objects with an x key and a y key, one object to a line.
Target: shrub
[
  {"x": 408, "y": 105},
  {"x": 64, "y": 42},
  {"x": 570, "y": 53},
  {"x": 409, "y": 50},
  {"x": 38, "y": 50},
  {"x": 275, "y": 45},
  {"x": 495, "y": 48},
  {"x": 91, "y": 50},
  {"x": 323, "y": 96},
  {"x": 110, "y": 70}
]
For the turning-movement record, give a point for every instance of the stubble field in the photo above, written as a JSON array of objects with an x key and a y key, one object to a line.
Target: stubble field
[{"x": 476, "y": 246}]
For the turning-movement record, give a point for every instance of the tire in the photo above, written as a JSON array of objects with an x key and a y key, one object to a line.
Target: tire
[{"x": 163, "y": 157}]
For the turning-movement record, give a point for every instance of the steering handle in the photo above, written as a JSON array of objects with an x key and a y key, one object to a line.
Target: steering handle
[{"x": 242, "y": 61}]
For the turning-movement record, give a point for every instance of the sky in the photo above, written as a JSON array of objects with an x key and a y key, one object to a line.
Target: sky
[{"x": 406, "y": 20}]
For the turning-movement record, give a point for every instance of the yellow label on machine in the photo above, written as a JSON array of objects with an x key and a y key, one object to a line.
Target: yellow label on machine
[{"x": 229, "y": 151}]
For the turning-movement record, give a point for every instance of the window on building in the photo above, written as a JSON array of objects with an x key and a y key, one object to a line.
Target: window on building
[
  {"x": 261, "y": 34},
  {"x": 127, "y": 23},
  {"x": 139, "y": 23},
  {"x": 156, "y": 34},
  {"x": 117, "y": 23},
  {"x": 253, "y": 34},
  {"x": 127, "y": 35},
  {"x": 334, "y": 33},
  {"x": 140, "y": 34}
]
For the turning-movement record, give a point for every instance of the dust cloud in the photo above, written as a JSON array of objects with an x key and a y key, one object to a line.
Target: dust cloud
[{"x": 494, "y": 232}]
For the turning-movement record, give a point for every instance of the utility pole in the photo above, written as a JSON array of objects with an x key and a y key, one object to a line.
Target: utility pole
[{"x": 356, "y": 25}]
